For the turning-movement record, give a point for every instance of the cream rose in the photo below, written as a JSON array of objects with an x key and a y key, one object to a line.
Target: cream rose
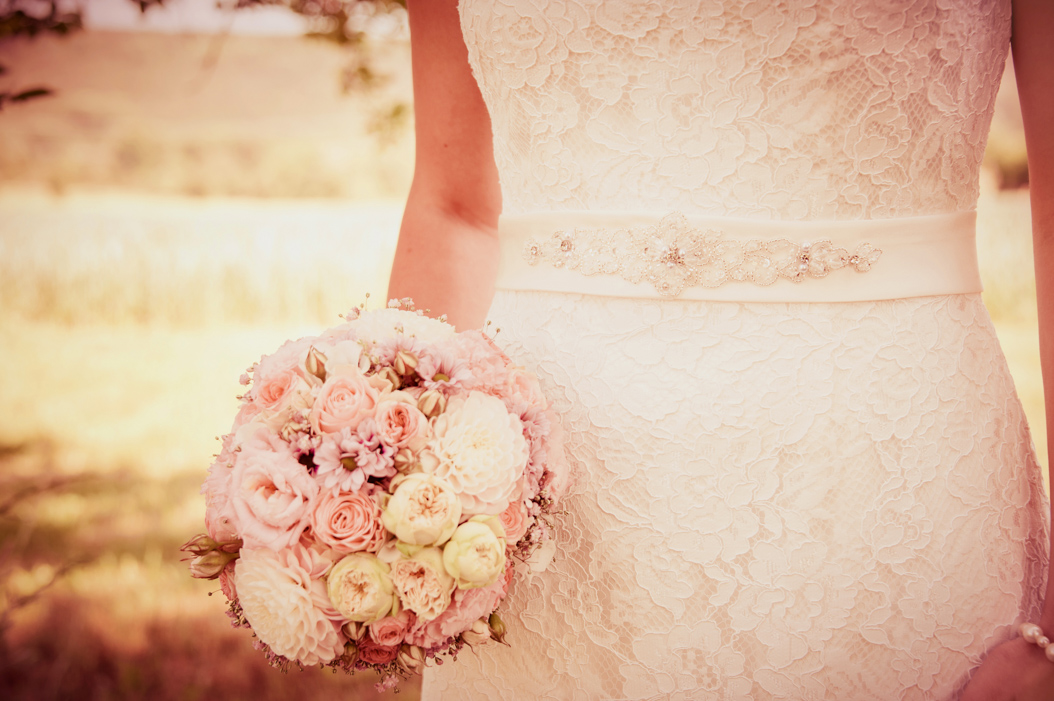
[
  {"x": 345, "y": 399},
  {"x": 281, "y": 601},
  {"x": 361, "y": 589},
  {"x": 348, "y": 522},
  {"x": 475, "y": 554},
  {"x": 422, "y": 582},
  {"x": 482, "y": 452},
  {"x": 422, "y": 510}
]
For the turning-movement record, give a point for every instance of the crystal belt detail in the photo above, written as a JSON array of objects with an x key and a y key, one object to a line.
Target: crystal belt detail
[{"x": 673, "y": 255}]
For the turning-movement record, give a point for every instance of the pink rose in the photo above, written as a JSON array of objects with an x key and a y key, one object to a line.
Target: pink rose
[
  {"x": 348, "y": 522},
  {"x": 274, "y": 391},
  {"x": 398, "y": 422},
  {"x": 372, "y": 653},
  {"x": 344, "y": 400},
  {"x": 272, "y": 493},
  {"x": 390, "y": 630},
  {"x": 515, "y": 521}
]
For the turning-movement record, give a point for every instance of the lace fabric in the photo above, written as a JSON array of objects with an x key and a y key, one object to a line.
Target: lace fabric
[
  {"x": 774, "y": 501},
  {"x": 778, "y": 109}
]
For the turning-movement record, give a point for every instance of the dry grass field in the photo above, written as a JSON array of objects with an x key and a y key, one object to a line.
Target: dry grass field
[{"x": 161, "y": 226}]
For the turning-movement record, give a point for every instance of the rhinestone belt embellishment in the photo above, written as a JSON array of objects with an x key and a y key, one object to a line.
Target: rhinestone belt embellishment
[{"x": 672, "y": 255}]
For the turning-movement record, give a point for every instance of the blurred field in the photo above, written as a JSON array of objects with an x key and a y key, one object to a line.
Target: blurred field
[{"x": 138, "y": 280}]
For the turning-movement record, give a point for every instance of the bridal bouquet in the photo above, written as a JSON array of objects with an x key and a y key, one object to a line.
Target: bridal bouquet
[{"x": 378, "y": 484}]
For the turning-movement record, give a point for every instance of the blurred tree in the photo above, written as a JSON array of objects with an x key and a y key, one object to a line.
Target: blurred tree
[{"x": 345, "y": 22}]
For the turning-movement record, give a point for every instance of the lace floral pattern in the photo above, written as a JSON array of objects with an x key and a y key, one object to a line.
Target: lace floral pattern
[
  {"x": 776, "y": 501},
  {"x": 673, "y": 255},
  {"x": 777, "y": 109}
]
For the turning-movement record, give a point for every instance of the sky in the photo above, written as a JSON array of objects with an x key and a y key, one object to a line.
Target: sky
[{"x": 189, "y": 16}]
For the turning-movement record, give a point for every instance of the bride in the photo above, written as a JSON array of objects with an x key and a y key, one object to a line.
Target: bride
[{"x": 736, "y": 242}]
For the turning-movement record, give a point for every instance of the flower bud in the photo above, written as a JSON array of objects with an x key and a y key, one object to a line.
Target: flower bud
[
  {"x": 432, "y": 403},
  {"x": 351, "y": 652},
  {"x": 478, "y": 634},
  {"x": 497, "y": 627},
  {"x": 354, "y": 631},
  {"x": 199, "y": 545},
  {"x": 405, "y": 362},
  {"x": 411, "y": 659},
  {"x": 390, "y": 376},
  {"x": 406, "y": 461},
  {"x": 209, "y": 565},
  {"x": 315, "y": 364}
]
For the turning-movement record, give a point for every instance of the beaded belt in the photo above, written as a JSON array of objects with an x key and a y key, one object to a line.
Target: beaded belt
[{"x": 633, "y": 254}]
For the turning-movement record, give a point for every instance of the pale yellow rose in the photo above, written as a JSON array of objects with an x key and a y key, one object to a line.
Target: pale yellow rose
[
  {"x": 360, "y": 588},
  {"x": 475, "y": 554},
  {"x": 423, "y": 509}
]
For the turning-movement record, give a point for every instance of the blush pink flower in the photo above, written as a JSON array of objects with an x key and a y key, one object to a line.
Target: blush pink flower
[
  {"x": 515, "y": 521},
  {"x": 343, "y": 401},
  {"x": 348, "y": 522},
  {"x": 398, "y": 422},
  {"x": 346, "y": 459},
  {"x": 274, "y": 391},
  {"x": 466, "y": 607},
  {"x": 272, "y": 493},
  {"x": 391, "y": 630}
]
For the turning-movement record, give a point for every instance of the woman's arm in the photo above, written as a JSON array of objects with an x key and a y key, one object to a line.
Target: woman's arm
[
  {"x": 1017, "y": 670},
  {"x": 1033, "y": 46},
  {"x": 446, "y": 258}
]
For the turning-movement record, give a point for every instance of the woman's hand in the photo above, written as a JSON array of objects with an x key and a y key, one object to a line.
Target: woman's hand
[{"x": 1013, "y": 671}]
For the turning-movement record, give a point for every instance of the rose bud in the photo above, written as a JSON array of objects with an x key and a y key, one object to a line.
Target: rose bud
[
  {"x": 497, "y": 628},
  {"x": 405, "y": 461},
  {"x": 478, "y": 634},
  {"x": 432, "y": 403},
  {"x": 390, "y": 376},
  {"x": 209, "y": 565},
  {"x": 405, "y": 362},
  {"x": 411, "y": 659},
  {"x": 200, "y": 544},
  {"x": 315, "y": 364}
]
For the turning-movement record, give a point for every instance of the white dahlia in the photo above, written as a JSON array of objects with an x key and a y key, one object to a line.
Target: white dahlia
[
  {"x": 482, "y": 452},
  {"x": 282, "y": 602},
  {"x": 381, "y": 324}
]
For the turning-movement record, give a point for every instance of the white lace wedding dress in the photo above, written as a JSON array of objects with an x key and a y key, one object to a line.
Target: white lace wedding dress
[{"x": 811, "y": 489}]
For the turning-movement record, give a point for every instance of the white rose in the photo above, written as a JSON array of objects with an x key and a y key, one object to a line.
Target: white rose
[
  {"x": 423, "y": 583},
  {"x": 475, "y": 554},
  {"x": 481, "y": 450},
  {"x": 282, "y": 602},
  {"x": 360, "y": 588},
  {"x": 423, "y": 509}
]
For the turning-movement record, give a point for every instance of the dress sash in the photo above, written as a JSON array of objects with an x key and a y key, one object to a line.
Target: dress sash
[{"x": 651, "y": 255}]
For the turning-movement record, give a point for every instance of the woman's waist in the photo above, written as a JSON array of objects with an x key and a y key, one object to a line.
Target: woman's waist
[{"x": 643, "y": 254}]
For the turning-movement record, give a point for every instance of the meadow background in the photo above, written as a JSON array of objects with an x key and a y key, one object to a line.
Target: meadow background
[{"x": 181, "y": 205}]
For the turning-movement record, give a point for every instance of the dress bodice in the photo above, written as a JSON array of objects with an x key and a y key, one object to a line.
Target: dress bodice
[{"x": 771, "y": 109}]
